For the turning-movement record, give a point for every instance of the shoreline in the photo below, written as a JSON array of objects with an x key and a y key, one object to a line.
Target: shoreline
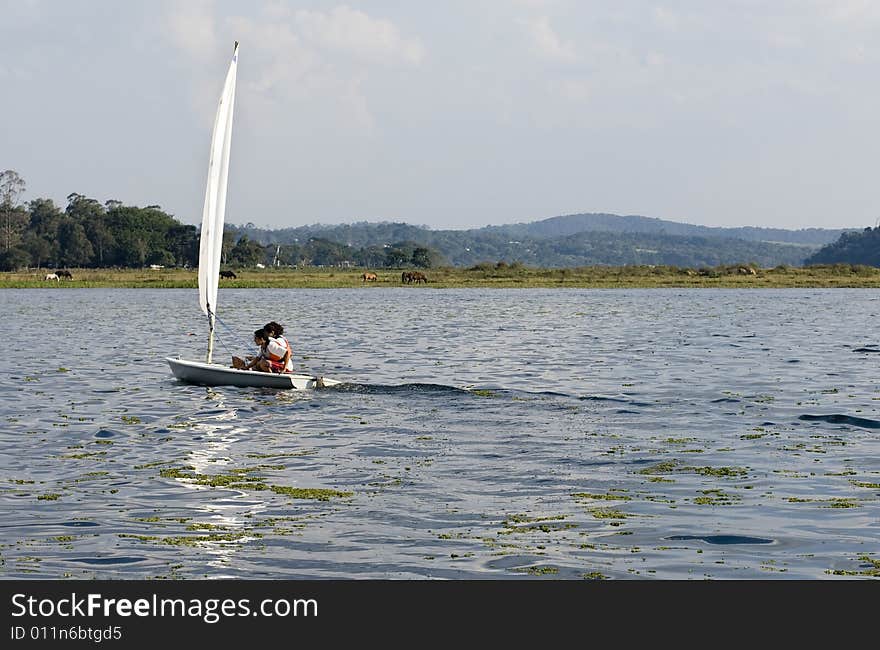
[{"x": 483, "y": 277}]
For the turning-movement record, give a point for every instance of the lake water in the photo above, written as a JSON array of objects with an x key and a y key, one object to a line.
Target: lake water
[{"x": 523, "y": 434}]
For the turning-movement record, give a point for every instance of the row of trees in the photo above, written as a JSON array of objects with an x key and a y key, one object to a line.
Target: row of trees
[
  {"x": 90, "y": 234},
  {"x": 852, "y": 248}
]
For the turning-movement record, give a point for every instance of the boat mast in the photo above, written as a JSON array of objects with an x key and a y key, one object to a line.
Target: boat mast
[{"x": 210, "y": 335}]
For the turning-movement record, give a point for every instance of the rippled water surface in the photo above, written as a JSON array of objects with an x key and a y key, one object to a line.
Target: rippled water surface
[{"x": 527, "y": 434}]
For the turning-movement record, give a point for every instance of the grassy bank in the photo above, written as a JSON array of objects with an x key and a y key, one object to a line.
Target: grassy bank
[{"x": 485, "y": 275}]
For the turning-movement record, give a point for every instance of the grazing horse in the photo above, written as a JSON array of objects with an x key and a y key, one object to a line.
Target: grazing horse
[
  {"x": 406, "y": 277},
  {"x": 51, "y": 276},
  {"x": 369, "y": 277},
  {"x": 418, "y": 277},
  {"x": 64, "y": 274},
  {"x": 228, "y": 275}
]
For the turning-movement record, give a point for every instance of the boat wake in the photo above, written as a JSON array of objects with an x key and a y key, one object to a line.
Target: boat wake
[
  {"x": 390, "y": 389},
  {"x": 839, "y": 418}
]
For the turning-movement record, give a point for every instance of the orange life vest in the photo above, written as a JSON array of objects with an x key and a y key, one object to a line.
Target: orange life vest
[{"x": 276, "y": 349}]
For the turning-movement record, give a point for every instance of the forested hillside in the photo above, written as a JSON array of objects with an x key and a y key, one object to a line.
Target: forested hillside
[
  {"x": 852, "y": 248},
  {"x": 88, "y": 233}
]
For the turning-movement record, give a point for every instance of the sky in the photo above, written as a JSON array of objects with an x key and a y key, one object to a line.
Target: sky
[{"x": 455, "y": 113}]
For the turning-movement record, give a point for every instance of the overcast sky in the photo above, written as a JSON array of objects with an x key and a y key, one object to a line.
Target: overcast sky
[{"x": 453, "y": 113}]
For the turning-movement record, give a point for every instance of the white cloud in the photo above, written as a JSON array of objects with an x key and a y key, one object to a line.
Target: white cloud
[
  {"x": 347, "y": 30},
  {"x": 298, "y": 57},
  {"x": 546, "y": 42},
  {"x": 193, "y": 29}
]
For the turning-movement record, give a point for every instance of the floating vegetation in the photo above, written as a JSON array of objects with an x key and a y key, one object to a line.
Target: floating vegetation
[
  {"x": 595, "y": 575},
  {"x": 50, "y": 496},
  {"x": 862, "y": 484},
  {"x": 607, "y": 513},
  {"x": 482, "y": 392},
  {"x": 522, "y": 523},
  {"x": 131, "y": 419},
  {"x": 87, "y": 454},
  {"x": 873, "y": 569},
  {"x": 666, "y": 467},
  {"x": 309, "y": 493},
  {"x": 204, "y": 526},
  {"x": 670, "y": 466},
  {"x": 716, "y": 498},
  {"x": 606, "y": 497},
  {"x": 296, "y": 454},
  {"x": 830, "y": 503},
  {"x": 192, "y": 540},
  {"x": 717, "y": 471},
  {"x": 538, "y": 570},
  {"x": 236, "y": 479},
  {"x": 842, "y": 503}
]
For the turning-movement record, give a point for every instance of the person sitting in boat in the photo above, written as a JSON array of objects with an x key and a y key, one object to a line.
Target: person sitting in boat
[
  {"x": 276, "y": 331},
  {"x": 272, "y": 357}
]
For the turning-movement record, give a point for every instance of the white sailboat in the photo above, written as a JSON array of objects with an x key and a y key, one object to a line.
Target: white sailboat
[{"x": 208, "y": 373}]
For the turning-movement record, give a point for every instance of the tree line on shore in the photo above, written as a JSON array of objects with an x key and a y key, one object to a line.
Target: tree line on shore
[{"x": 89, "y": 234}]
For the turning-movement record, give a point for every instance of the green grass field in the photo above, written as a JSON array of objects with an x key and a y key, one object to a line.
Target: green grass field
[{"x": 484, "y": 275}]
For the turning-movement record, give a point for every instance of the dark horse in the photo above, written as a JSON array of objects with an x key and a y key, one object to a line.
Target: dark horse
[
  {"x": 408, "y": 277},
  {"x": 228, "y": 274}
]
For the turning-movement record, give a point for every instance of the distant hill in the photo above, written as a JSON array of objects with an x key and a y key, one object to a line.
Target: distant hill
[
  {"x": 598, "y": 222},
  {"x": 858, "y": 247},
  {"x": 575, "y": 240}
]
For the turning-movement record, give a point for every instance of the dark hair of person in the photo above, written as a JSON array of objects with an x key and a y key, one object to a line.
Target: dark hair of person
[
  {"x": 274, "y": 328},
  {"x": 261, "y": 334}
]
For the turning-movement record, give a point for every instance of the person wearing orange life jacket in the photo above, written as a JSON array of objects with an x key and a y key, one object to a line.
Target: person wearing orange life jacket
[
  {"x": 276, "y": 333},
  {"x": 270, "y": 359}
]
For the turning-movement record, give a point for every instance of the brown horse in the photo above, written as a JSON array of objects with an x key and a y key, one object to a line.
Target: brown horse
[
  {"x": 369, "y": 277},
  {"x": 418, "y": 277},
  {"x": 406, "y": 277}
]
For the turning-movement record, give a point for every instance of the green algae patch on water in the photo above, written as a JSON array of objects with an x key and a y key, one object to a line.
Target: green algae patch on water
[
  {"x": 522, "y": 523},
  {"x": 673, "y": 466},
  {"x": 320, "y": 494},
  {"x": 872, "y": 569},
  {"x": 237, "y": 480},
  {"x": 295, "y": 454},
  {"x": 594, "y": 575},
  {"x": 51, "y": 496},
  {"x": 600, "y": 497},
  {"x": 862, "y": 484},
  {"x": 607, "y": 513},
  {"x": 716, "y": 498},
  {"x": 724, "y": 472},
  {"x": 665, "y": 467},
  {"x": 193, "y": 540},
  {"x": 538, "y": 570}
]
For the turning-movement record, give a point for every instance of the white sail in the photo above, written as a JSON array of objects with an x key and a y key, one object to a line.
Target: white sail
[{"x": 215, "y": 201}]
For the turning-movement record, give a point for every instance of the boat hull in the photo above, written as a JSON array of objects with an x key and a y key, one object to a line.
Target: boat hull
[{"x": 212, "y": 374}]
